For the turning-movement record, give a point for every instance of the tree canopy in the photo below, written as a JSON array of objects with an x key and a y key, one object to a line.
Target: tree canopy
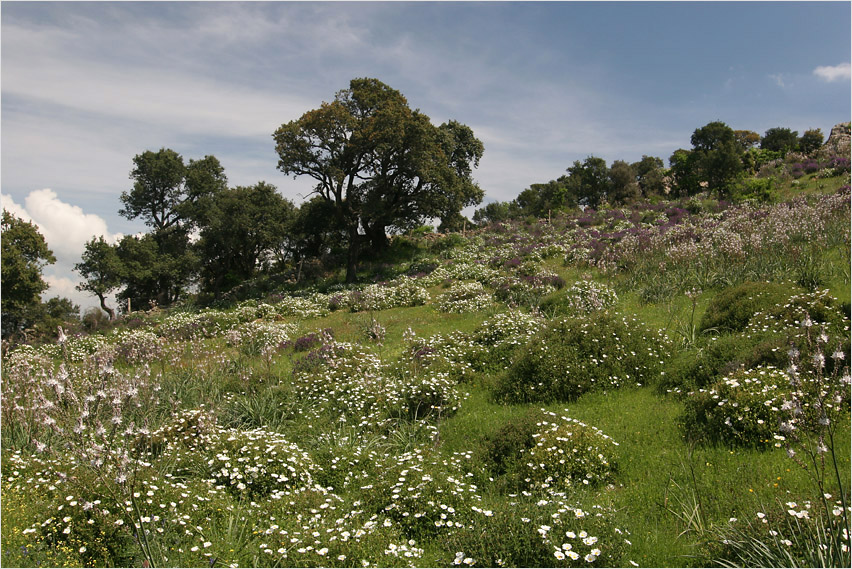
[
  {"x": 24, "y": 256},
  {"x": 379, "y": 163},
  {"x": 101, "y": 269},
  {"x": 166, "y": 191},
  {"x": 780, "y": 139}
]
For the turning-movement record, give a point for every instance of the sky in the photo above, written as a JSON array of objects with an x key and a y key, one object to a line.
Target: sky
[{"x": 86, "y": 86}]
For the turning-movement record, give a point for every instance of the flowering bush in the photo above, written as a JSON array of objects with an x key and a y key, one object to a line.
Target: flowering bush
[
  {"x": 540, "y": 532},
  {"x": 566, "y": 453},
  {"x": 582, "y": 297},
  {"x": 301, "y": 307},
  {"x": 205, "y": 324},
  {"x": 257, "y": 463},
  {"x": 465, "y": 297},
  {"x": 575, "y": 355},
  {"x": 731, "y": 309},
  {"x": 255, "y": 337},
  {"x": 137, "y": 346},
  {"x": 743, "y": 409}
]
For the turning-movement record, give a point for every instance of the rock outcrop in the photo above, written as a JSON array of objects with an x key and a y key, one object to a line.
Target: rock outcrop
[{"x": 839, "y": 142}]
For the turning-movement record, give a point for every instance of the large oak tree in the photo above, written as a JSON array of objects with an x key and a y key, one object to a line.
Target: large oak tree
[{"x": 379, "y": 163}]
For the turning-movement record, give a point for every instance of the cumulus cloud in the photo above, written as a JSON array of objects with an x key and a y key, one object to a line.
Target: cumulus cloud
[
  {"x": 66, "y": 228},
  {"x": 831, "y": 73}
]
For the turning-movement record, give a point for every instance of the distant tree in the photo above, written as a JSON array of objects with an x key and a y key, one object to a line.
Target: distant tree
[
  {"x": 746, "y": 139},
  {"x": 780, "y": 139},
  {"x": 166, "y": 191},
  {"x": 379, "y": 163},
  {"x": 102, "y": 270},
  {"x": 493, "y": 212},
  {"x": 455, "y": 222},
  {"x": 623, "y": 186},
  {"x": 172, "y": 198},
  {"x": 244, "y": 226},
  {"x": 684, "y": 172},
  {"x": 57, "y": 311},
  {"x": 24, "y": 256},
  {"x": 158, "y": 267},
  {"x": 649, "y": 175},
  {"x": 811, "y": 141},
  {"x": 62, "y": 309},
  {"x": 717, "y": 156},
  {"x": 589, "y": 180}
]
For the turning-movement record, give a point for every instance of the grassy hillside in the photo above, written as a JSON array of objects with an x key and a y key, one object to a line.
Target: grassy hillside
[{"x": 661, "y": 385}]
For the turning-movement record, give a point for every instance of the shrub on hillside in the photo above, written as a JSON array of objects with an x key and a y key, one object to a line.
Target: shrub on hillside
[
  {"x": 567, "y": 452},
  {"x": 572, "y": 356},
  {"x": 740, "y": 410},
  {"x": 731, "y": 309},
  {"x": 465, "y": 297},
  {"x": 696, "y": 369},
  {"x": 581, "y": 298},
  {"x": 502, "y": 449},
  {"x": 802, "y": 310},
  {"x": 540, "y": 532}
]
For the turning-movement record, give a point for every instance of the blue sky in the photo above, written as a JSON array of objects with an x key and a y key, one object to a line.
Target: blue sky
[{"x": 86, "y": 86}]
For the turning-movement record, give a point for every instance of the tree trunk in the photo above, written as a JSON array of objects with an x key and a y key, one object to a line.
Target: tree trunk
[
  {"x": 106, "y": 308},
  {"x": 378, "y": 238},
  {"x": 352, "y": 259}
]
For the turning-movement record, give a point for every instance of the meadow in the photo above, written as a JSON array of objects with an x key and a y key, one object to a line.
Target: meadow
[{"x": 665, "y": 384}]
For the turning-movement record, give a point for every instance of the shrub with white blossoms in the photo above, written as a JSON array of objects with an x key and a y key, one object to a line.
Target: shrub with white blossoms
[
  {"x": 312, "y": 307},
  {"x": 741, "y": 409},
  {"x": 255, "y": 337},
  {"x": 547, "y": 531},
  {"x": 257, "y": 463},
  {"x": 568, "y": 452},
  {"x": 204, "y": 324},
  {"x": 508, "y": 328},
  {"x": 465, "y": 297},
  {"x": 587, "y": 296},
  {"x": 137, "y": 346},
  {"x": 354, "y": 387}
]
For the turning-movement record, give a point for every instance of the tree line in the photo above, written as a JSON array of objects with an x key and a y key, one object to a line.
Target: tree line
[
  {"x": 379, "y": 167},
  {"x": 720, "y": 157}
]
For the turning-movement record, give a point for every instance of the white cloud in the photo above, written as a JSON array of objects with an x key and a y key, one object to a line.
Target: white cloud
[
  {"x": 779, "y": 79},
  {"x": 831, "y": 73},
  {"x": 66, "y": 228}
]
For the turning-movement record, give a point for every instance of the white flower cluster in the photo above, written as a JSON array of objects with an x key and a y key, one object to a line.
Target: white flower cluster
[
  {"x": 588, "y": 296},
  {"x": 568, "y": 452},
  {"x": 254, "y": 337},
  {"x": 465, "y": 297}
]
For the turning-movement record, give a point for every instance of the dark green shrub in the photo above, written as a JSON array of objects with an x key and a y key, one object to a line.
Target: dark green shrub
[
  {"x": 731, "y": 310},
  {"x": 696, "y": 369},
  {"x": 754, "y": 189},
  {"x": 502, "y": 449},
  {"x": 575, "y": 355}
]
